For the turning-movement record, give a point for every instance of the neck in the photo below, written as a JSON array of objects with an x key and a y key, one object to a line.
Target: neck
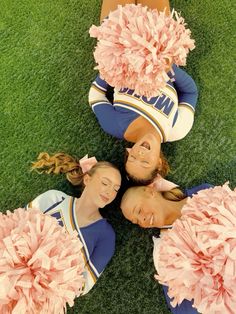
[
  {"x": 86, "y": 207},
  {"x": 138, "y": 128},
  {"x": 146, "y": 131}
]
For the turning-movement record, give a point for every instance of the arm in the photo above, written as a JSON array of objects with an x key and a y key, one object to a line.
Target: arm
[
  {"x": 186, "y": 88},
  {"x": 111, "y": 5},
  {"x": 160, "y": 5},
  {"x": 103, "y": 252},
  {"x": 105, "y": 112},
  {"x": 187, "y": 96}
]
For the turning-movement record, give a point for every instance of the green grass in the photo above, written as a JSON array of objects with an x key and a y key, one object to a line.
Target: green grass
[{"x": 46, "y": 67}]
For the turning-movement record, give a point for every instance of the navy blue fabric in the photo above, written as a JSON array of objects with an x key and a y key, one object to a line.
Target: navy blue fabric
[
  {"x": 184, "y": 308},
  {"x": 115, "y": 120},
  {"x": 190, "y": 191}
]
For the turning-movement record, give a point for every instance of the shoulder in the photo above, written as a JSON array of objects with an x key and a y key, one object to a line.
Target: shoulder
[
  {"x": 105, "y": 235},
  {"x": 54, "y": 195},
  {"x": 177, "y": 70},
  {"x": 48, "y": 199},
  {"x": 107, "y": 231},
  {"x": 194, "y": 190}
]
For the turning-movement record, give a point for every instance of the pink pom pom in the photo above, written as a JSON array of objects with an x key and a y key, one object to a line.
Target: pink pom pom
[
  {"x": 41, "y": 265},
  {"x": 197, "y": 258},
  {"x": 136, "y": 46}
]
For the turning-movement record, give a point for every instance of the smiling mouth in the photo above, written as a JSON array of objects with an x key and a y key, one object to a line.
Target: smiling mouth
[{"x": 145, "y": 145}]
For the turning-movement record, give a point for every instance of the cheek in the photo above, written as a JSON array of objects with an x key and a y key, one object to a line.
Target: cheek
[
  {"x": 154, "y": 162},
  {"x": 114, "y": 194},
  {"x": 146, "y": 209}
]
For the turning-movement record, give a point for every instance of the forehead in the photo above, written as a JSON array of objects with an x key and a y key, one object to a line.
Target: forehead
[
  {"x": 132, "y": 199},
  {"x": 108, "y": 173}
]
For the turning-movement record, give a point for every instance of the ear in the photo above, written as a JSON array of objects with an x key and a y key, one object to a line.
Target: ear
[
  {"x": 128, "y": 150},
  {"x": 86, "y": 179}
]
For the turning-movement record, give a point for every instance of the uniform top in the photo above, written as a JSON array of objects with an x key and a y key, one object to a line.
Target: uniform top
[
  {"x": 186, "y": 306},
  {"x": 98, "y": 238},
  {"x": 171, "y": 113},
  {"x": 189, "y": 193}
]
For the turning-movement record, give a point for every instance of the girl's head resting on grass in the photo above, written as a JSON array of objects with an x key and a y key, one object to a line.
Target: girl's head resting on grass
[
  {"x": 100, "y": 180},
  {"x": 144, "y": 160},
  {"x": 148, "y": 208}
]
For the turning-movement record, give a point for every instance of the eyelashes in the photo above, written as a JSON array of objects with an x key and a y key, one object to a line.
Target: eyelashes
[{"x": 108, "y": 184}]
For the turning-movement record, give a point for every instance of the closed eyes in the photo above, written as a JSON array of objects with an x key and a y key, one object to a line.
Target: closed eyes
[
  {"x": 131, "y": 158},
  {"x": 116, "y": 188}
]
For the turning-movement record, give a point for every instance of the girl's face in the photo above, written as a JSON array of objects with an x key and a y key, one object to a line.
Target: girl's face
[
  {"x": 144, "y": 157},
  {"x": 103, "y": 185},
  {"x": 140, "y": 206}
]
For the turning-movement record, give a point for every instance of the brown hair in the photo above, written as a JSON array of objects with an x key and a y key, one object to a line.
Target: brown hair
[
  {"x": 62, "y": 163},
  {"x": 175, "y": 194},
  {"x": 146, "y": 181}
]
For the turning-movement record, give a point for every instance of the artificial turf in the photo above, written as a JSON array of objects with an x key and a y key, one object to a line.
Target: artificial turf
[{"x": 46, "y": 67}]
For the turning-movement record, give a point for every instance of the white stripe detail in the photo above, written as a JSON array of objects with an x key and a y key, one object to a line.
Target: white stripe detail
[
  {"x": 85, "y": 246},
  {"x": 100, "y": 103},
  {"x": 187, "y": 104},
  {"x": 143, "y": 115},
  {"x": 99, "y": 86}
]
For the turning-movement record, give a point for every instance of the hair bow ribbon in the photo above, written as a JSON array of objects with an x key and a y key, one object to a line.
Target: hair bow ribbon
[
  {"x": 161, "y": 184},
  {"x": 87, "y": 163}
]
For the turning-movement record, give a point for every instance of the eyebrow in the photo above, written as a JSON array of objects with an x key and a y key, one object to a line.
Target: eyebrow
[
  {"x": 134, "y": 209},
  {"x": 110, "y": 181},
  {"x": 144, "y": 165},
  {"x": 130, "y": 160}
]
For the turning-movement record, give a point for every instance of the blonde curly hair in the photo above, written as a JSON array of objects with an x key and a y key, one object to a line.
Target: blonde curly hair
[{"x": 62, "y": 163}]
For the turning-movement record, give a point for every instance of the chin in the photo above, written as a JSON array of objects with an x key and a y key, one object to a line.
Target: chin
[{"x": 102, "y": 204}]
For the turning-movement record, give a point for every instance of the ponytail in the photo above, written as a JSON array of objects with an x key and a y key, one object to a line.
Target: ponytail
[
  {"x": 62, "y": 163},
  {"x": 175, "y": 194}
]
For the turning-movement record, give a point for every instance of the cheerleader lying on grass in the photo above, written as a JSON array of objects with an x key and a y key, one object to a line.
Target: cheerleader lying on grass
[
  {"x": 138, "y": 53},
  {"x": 101, "y": 181},
  {"x": 56, "y": 248},
  {"x": 195, "y": 258}
]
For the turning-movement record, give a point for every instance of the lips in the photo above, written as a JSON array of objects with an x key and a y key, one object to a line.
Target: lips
[
  {"x": 145, "y": 145},
  {"x": 104, "y": 198}
]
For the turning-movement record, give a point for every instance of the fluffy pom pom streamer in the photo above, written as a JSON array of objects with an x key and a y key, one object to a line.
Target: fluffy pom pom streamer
[
  {"x": 197, "y": 258},
  {"x": 41, "y": 264},
  {"x": 136, "y": 46}
]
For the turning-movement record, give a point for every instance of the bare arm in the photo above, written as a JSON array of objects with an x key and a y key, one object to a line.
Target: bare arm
[
  {"x": 111, "y": 5},
  {"x": 160, "y": 5}
]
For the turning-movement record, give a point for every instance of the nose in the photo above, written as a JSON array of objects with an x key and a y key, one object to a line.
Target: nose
[
  {"x": 140, "y": 152},
  {"x": 108, "y": 191}
]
